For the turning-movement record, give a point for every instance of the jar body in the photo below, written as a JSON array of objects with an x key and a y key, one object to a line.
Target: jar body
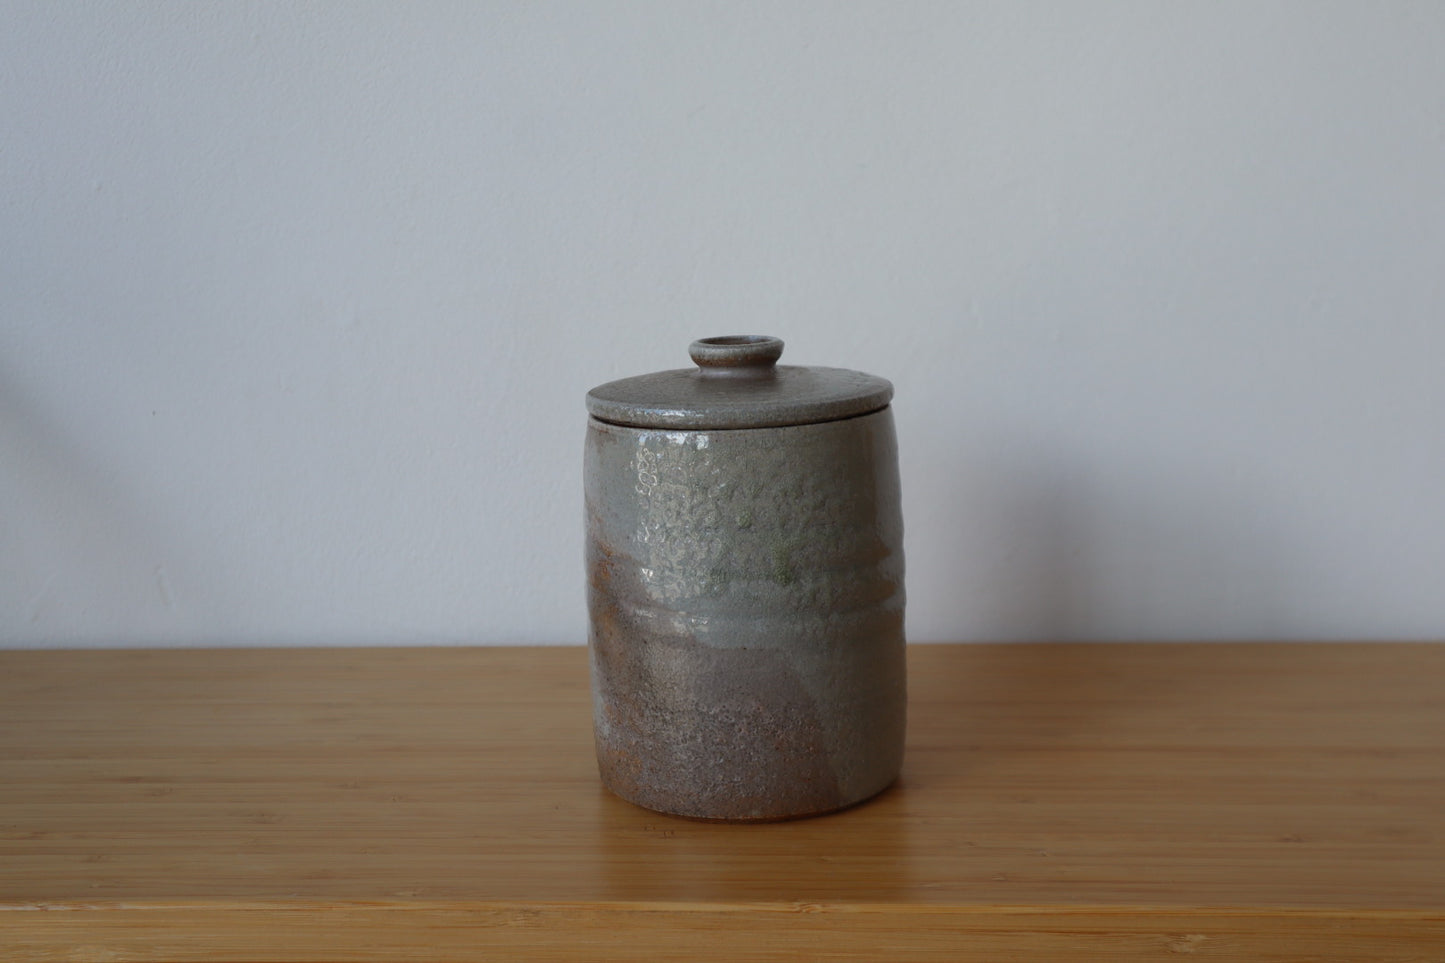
[{"x": 745, "y": 589}]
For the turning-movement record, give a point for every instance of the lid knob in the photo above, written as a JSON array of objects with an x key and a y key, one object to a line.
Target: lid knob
[{"x": 736, "y": 354}]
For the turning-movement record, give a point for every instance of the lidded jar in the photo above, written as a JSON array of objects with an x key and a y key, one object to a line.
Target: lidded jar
[{"x": 745, "y": 585}]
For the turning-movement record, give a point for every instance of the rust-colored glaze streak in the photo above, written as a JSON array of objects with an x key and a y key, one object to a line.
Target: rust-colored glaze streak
[{"x": 699, "y": 731}]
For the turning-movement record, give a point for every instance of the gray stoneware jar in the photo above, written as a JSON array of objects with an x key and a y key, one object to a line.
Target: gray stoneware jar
[{"x": 745, "y": 585}]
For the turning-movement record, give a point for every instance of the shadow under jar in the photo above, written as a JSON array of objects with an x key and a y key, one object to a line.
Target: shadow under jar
[{"x": 745, "y": 585}]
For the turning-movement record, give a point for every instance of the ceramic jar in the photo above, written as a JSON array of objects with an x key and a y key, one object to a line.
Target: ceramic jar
[{"x": 745, "y": 585}]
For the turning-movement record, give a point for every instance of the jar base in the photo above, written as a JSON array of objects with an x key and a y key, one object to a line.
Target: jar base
[{"x": 765, "y": 818}]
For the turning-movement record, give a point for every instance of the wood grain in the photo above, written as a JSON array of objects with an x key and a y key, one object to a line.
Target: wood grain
[{"x": 1232, "y": 801}]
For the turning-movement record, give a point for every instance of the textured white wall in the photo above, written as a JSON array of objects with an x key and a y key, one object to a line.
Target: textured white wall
[{"x": 298, "y": 302}]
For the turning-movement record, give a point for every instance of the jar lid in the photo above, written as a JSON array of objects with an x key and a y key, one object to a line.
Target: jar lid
[{"x": 738, "y": 384}]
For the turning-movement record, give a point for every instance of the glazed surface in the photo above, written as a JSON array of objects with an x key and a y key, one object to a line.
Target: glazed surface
[{"x": 746, "y": 600}]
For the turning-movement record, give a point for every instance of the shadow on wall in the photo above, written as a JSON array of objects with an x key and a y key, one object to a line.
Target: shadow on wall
[
  {"x": 1057, "y": 551},
  {"x": 1051, "y": 551}
]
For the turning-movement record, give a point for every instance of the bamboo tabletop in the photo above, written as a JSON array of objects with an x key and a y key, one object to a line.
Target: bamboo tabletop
[{"x": 1110, "y": 801}]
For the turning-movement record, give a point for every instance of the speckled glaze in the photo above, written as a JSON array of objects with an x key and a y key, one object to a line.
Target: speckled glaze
[{"x": 746, "y": 598}]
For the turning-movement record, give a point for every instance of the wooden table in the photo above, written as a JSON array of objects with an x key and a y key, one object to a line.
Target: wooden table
[{"x": 1261, "y": 802}]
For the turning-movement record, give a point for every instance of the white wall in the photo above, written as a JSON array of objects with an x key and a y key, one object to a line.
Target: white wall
[{"x": 299, "y": 301}]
